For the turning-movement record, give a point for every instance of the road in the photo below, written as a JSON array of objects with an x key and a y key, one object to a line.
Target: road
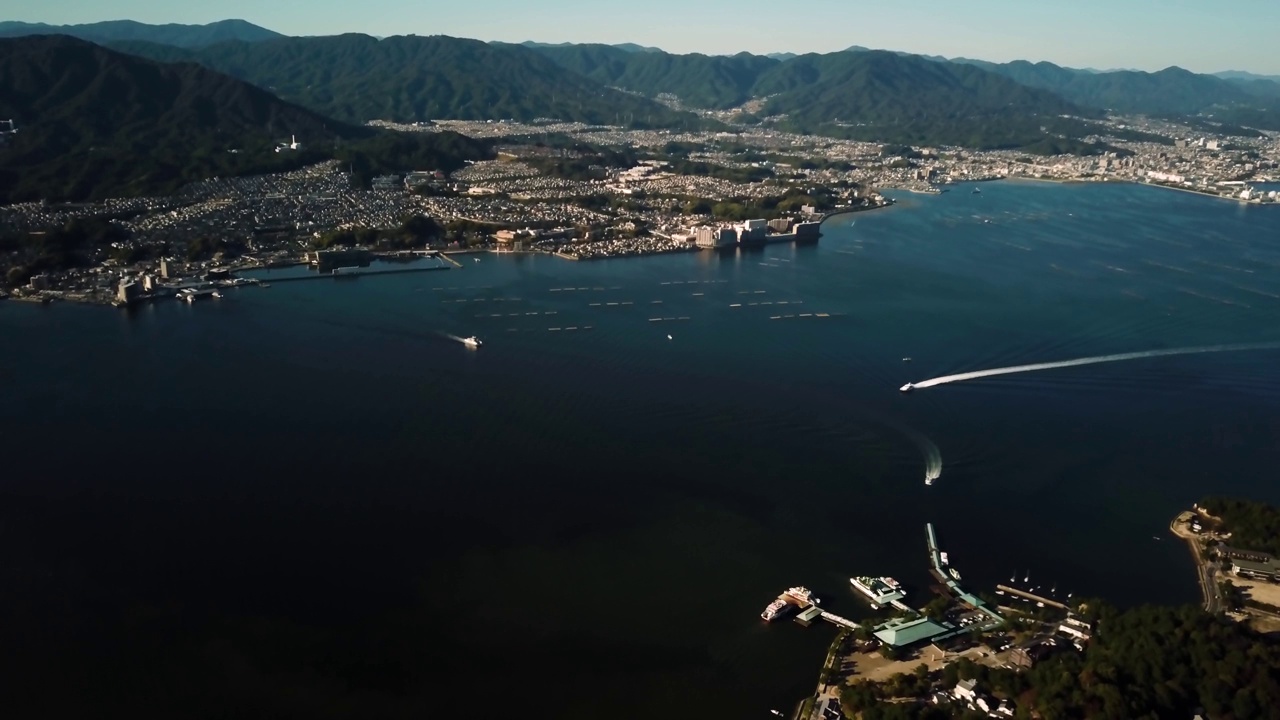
[{"x": 1206, "y": 572}]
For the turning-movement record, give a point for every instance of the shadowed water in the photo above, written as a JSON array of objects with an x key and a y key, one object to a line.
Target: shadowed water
[{"x": 310, "y": 498}]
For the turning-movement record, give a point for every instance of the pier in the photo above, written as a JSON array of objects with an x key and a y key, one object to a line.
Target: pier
[
  {"x": 840, "y": 621},
  {"x": 1032, "y": 596},
  {"x": 354, "y": 273}
]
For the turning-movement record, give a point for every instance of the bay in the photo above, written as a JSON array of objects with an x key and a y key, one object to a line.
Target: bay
[{"x": 309, "y": 498}]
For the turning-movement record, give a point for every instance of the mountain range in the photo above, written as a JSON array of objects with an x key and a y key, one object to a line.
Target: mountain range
[
  {"x": 93, "y": 122},
  {"x": 189, "y": 36},
  {"x": 408, "y": 78},
  {"x": 164, "y": 103}
]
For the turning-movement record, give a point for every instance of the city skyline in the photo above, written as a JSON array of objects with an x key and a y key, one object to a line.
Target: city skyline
[{"x": 1095, "y": 34}]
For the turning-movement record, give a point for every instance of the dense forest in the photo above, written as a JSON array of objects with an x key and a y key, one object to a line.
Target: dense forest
[
  {"x": 358, "y": 78},
  {"x": 1253, "y": 525},
  {"x": 94, "y": 123}
]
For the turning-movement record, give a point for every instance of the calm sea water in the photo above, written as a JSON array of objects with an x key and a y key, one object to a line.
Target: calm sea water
[{"x": 309, "y": 499}]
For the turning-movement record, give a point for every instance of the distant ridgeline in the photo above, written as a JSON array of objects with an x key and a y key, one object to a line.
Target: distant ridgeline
[{"x": 130, "y": 126}]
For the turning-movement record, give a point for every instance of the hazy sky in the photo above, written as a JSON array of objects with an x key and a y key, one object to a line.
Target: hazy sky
[{"x": 1145, "y": 34}]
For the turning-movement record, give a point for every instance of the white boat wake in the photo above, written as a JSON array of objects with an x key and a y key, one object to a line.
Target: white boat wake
[
  {"x": 960, "y": 377},
  {"x": 932, "y": 455}
]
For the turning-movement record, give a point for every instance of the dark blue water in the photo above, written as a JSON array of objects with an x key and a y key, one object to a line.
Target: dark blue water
[{"x": 309, "y": 499}]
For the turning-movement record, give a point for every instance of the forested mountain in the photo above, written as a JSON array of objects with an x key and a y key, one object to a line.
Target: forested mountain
[
  {"x": 625, "y": 47},
  {"x": 123, "y": 30},
  {"x": 719, "y": 82},
  {"x": 1169, "y": 92},
  {"x": 1243, "y": 75},
  {"x": 703, "y": 81},
  {"x": 897, "y": 98},
  {"x": 93, "y": 123},
  {"x": 409, "y": 78}
]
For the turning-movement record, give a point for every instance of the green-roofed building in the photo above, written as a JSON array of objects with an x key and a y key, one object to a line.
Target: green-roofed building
[{"x": 901, "y": 632}]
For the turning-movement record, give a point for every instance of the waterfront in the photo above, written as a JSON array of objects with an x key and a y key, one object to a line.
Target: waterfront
[{"x": 314, "y": 474}]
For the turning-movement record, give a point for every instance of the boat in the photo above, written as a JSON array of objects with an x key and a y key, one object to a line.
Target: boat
[
  {"x": 669, "y": 337},
  {"x": 954, "y": 573},
  {"x": 928, "y": 481},
  {"x": 217, "y": 294},
  {"x": 801, "y": 594},
  {"x": 907, "y": 388},
  {"x": 472, "y": 342},
  {"x": 774, "y": 609},
  {"x": 943, "y": 557},
  {"x": 977, "y": 191},
  {"x": 906, "y": 359},
  {"x": 777, "y": 712}
]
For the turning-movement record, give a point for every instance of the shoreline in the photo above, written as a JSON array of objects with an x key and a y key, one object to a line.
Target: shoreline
[{"x": 1208, "y": 590}]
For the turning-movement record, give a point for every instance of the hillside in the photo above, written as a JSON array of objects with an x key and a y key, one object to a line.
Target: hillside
[
  {"x": 188, "y": 36},
  {"x": 879, "y": 95},
  {"x": 409, "y": 78},
  {"x": 97, "y": 123},
  {"x": 1169, "y": 92},
  {"x": 703, "y": 81}
]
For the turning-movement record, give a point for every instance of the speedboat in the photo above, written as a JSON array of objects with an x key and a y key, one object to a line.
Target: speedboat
[
  {"x": 906, "y": 359},
  {"x": 907, "y": 388},
  {"x": 472, "y": 342}
]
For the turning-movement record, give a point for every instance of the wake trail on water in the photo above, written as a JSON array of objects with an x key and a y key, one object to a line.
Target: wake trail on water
[
  {"x": 932, "y": 455},
  {"x": 961, "y": 377}
]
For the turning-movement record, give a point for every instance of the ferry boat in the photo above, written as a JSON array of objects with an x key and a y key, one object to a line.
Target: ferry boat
[
  {"x": 472, "y": 342},
  {"x": 801, "y": 594},
  {"x": 774, "y": 609},
  {"x": 907, "y": 388}
]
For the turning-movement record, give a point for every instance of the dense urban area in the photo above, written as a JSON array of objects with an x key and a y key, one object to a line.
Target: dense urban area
[{"x": 579, "y": 191}]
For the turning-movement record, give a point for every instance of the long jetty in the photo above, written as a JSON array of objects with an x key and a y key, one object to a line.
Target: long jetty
[
  {"x": 332, "y": 275},
  {"x": 841, "y": 621},
  {"x": 1032, "y": 596}
]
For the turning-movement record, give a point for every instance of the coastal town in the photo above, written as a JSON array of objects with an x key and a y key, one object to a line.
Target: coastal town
[{"x": 682, "y": 192}]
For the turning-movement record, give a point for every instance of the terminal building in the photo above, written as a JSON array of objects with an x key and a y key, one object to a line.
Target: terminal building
[
  {"x": 903, "y": 633},
  {"x": 1265, "y": 568}
]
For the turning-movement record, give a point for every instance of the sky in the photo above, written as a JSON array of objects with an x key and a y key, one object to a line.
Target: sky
[{"x": 1104, "y": 34}]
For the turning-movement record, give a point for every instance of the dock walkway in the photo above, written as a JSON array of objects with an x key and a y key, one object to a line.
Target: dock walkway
[
  {"x": 1032, "y": 596},
  {"x": 841, "y": 621}
]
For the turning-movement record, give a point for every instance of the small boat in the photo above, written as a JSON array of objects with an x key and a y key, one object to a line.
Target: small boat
[
  {"x": 669, "y": 337},
  {"x": 475, "y": 259},
  {"x": 217, "y": 294},
  {"x": 472, "y": 342},
  {"x": 977, "y": 191},
  {"x": 906, "y": 388},
  {"x": 264, "y": 284},
  {"x": 906, "y": 359}
]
